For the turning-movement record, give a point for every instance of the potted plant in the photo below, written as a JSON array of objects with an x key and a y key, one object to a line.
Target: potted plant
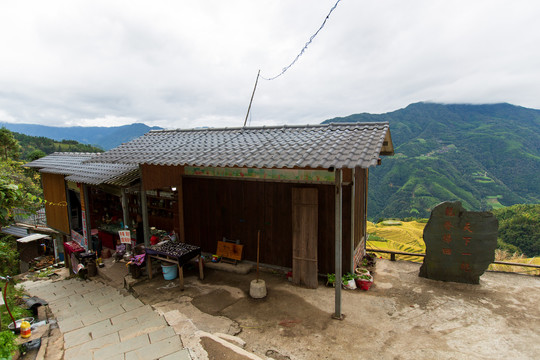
[
  {"x": 134, "y": 265},
  {"x": 365, "y": 281},
  {"x": 348, "y": 281},
  {"x": 361, "y": 271},
  {"x": 331, "y": 280}
]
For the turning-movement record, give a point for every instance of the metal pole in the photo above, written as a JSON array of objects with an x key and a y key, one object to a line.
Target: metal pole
[
  {"x": 125, "y": 216},
  {"x": 253, "y": 94},
  {"x": 353, "y": 203},
  {"x": 144, "y": 210},
  {"x": 338, "y": 244}
]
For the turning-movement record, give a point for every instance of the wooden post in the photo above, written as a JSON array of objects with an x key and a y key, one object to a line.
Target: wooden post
[
  {"x": 258, "y": 244},
  {"x": 353, "y": 203},
  {"x": 87, "y": 221}
]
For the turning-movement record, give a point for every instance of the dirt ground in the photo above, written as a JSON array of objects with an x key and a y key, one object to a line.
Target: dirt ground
[{"x": 402, "y": 316}]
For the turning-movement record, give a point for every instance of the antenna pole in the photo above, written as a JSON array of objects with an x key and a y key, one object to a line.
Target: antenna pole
[{"x": 253, "y": 94}]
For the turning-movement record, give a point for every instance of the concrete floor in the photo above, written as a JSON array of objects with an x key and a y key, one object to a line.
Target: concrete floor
[
  {"x": 402, "y": 316},
  {"x": 98, "y": 322}
]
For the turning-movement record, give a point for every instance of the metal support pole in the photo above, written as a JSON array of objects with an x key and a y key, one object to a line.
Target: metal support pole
[
  {"x": 125, "y": 216},
  {"x": 144, "y": 209},
  {"x": 339, "y": 243},
  {"x": 353, "y": 203}
]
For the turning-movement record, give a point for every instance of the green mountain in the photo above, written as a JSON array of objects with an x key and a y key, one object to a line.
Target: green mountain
[
  {"x": 32, "y": 145},
  {"x": 103, "y": 137},
  {"x": 487, "y": 156}
]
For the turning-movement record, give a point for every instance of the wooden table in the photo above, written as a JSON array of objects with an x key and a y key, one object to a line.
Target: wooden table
[{"x": 176, "y": 253}]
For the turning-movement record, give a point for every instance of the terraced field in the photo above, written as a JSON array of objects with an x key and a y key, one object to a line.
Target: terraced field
[{"x": 407, "y": 236}]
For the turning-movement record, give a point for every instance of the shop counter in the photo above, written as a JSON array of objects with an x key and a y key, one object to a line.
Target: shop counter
[{"x": 176, "y": 253}]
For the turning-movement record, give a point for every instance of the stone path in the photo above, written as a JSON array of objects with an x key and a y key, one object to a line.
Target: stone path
[{"x": 98, "y": 322}]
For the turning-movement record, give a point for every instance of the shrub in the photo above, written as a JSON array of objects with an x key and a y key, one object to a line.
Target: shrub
[{"x": 7, "y": 344}]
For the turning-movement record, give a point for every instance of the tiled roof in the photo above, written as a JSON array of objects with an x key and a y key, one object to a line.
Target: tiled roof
[
  {"x": 342, "y": 145},
  {"x": 73, "y": 167}
]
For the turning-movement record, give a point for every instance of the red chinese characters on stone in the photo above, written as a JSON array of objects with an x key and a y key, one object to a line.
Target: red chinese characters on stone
[
  {"x": 448, "y": 225},
  {"x": 467, "y": 240},
  {"x": 449, "y": 211},
  {"x": 447, "y": 251},
  {"x": 447, "y": 238},
  {"x": 465, "y": 267},
  {"x": 467, "y": 227}
]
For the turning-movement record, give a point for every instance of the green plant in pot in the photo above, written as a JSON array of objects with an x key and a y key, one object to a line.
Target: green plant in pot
[
  {"x": 348, "y": 281},
  {"x": 361, "y": 271},
  {"x": 331, "y": 279}
]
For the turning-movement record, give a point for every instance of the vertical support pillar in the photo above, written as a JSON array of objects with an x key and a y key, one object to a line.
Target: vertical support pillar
[
  {"x": 364, "y": 204},
  {"x": 353, "y": 220},
  {"x": 338, "y": 251},
  {"x": 144, "y": 209},
  {"x": 125, "y": 215},
  {"x": 85, "y": 216}
]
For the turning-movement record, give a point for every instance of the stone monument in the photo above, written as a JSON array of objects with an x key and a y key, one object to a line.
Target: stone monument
[{"x": 460, "y": 244}]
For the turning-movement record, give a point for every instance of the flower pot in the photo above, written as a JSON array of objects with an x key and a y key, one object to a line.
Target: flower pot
[
  {"x": 364, "y": 284},
  {"x": 361, "y": 271},
  {"x": 351, "y": 285}
]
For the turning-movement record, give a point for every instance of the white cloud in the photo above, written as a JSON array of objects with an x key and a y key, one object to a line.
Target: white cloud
[{"x": 187, "y": 64}]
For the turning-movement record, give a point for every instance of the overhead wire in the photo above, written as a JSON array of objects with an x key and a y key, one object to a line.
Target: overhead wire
[
  {"x": 291, "y": 64},
  {"x": 305, "y": 46}
]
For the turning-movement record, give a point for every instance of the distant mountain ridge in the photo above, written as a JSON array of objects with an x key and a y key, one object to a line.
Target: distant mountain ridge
[
  {"x": 486, "y": 156},
  {"x": 104, "y": 137}
]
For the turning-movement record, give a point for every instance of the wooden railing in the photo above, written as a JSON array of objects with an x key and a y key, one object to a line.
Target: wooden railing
[{"x": 393, "y": 254}]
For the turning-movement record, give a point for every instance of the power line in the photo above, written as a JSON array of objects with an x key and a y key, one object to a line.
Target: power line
[{"x": 305, "y": 46}]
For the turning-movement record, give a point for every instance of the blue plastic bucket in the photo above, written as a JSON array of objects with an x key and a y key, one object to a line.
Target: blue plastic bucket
[{"x": 170, "y": 272}]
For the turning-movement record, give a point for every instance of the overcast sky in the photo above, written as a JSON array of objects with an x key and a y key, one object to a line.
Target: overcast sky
[{"x": 185, "y": 64}]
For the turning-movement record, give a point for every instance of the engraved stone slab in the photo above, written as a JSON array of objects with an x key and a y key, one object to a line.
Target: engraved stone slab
[{"x": 460, "y": 244}]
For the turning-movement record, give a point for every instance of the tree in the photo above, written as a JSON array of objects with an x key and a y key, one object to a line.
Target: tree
[
  {"x": 17, "y": 189},
  {"x": 36, "y": 154},
  {"x": 9, "y": 146}
]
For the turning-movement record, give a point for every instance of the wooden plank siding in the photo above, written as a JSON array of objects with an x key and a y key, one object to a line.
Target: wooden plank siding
[
  {"x": 216, "y": 208},
  {"x": 360, "y": 211},
  {"x": 161, "y": 176},
  {"x": 56, "y": 209},
  {"x": 165, "y": 177},
  {"x": 305, "y": 236}
]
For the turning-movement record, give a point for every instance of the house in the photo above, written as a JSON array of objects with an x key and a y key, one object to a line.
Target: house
[
  {"x": 77, "y": 195},
  {"x": 302, "y": 188}
]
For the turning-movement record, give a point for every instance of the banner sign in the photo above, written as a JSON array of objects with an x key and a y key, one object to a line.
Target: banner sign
[
  {"x": 85, "y": 232},
  {"x": 460, "y": 244},
  {"x": 125, "y": 236},
  {"x": 78, "y": 238},
  {"x": 296, "y": 175}
]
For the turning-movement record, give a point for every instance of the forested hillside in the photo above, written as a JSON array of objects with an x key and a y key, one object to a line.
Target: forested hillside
[
  {"x": 104, "y": 137},
  {"x": 519, "y": 225},
  {"x": 33, "y": 147},
  {"x": 487, "y": 156}
]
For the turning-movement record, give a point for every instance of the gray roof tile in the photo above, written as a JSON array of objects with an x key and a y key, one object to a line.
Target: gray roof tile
[
  {"x": 73, "y": 167},
  {"x": 342, "y": 145}
]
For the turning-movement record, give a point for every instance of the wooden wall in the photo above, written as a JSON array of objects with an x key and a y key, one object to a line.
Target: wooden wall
[
  {"x": 56, "y": 209},
  {"x": 360, "y": 211},
  {"x": 217, "y": 208},
  {"x": 160, "y": 177}
]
